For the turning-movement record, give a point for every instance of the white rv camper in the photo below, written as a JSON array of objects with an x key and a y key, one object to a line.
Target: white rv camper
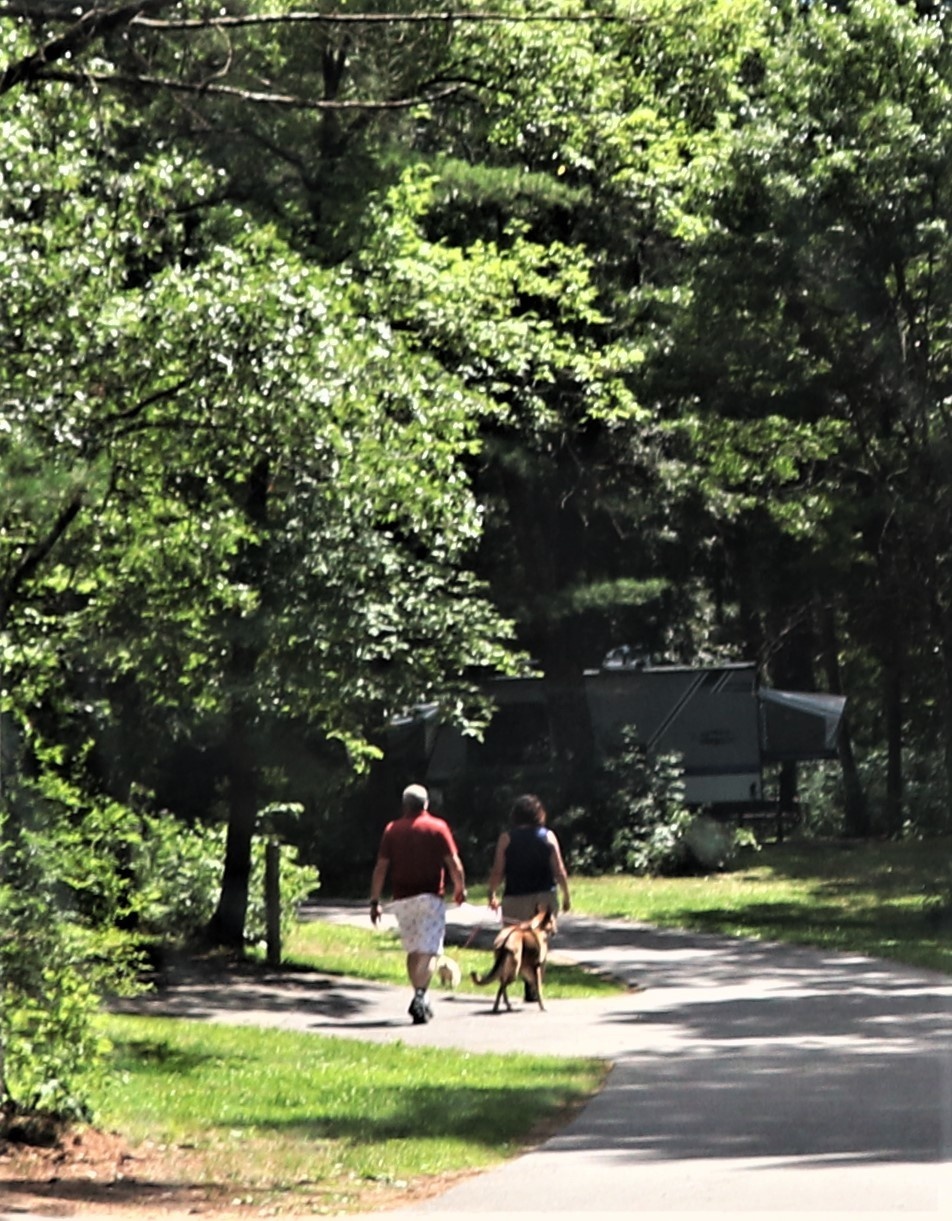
[{"x": 717, "y": 718}]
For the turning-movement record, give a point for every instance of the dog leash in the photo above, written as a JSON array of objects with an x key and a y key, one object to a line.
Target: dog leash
[{"x": 479, "y": 928}]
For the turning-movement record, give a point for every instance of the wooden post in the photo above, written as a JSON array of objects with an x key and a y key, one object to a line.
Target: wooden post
[{"x": 272, "y": 900}]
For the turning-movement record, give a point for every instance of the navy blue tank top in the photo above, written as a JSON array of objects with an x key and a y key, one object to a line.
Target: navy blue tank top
[{"x": 528, "y": 861}]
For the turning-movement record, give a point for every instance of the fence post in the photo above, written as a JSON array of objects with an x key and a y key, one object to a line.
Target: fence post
[{"x": 272, "y": 900}]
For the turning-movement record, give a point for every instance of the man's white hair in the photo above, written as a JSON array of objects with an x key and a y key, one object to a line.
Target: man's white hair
[{"x": 416, "y": 794}]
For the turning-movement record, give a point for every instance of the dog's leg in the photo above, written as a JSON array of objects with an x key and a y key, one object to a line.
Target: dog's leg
[
  {"x": 503, "y": 995},
  {"x": 538, "y": 986},
  {"x": 500, "y": 972}
]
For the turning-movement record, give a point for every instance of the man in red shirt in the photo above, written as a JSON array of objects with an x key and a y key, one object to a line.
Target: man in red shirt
[{"x": 418, "y": 850}]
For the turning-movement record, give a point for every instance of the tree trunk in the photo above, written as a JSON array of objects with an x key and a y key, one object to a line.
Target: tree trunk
[
  {"x": 787, "y": 787},
  {"x": 544, "y": 532},
  {"x": 227, "y": 925},
  {"x": 943, "y": 623},
  {"x": 857, "y": 820},
  {"x": 573, "y": 738},
  {"x": 891, "y": 629},
  {"x": 892, "y": 706}
]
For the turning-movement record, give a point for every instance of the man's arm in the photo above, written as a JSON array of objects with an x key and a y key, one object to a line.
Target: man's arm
[
  {"x": 455, "y": 867},
  {"x": 376, "y": 887}
]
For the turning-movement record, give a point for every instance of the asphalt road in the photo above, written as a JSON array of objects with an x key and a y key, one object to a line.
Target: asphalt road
[{"x": 748, "y": 1078}]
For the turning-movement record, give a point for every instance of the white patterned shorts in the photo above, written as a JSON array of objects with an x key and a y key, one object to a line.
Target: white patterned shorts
[{"x": 422, "y": 920}]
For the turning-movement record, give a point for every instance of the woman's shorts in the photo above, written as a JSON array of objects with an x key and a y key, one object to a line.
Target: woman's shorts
[
  {"x": 422, "y": 921},
  {"x": 516, "y": 908}
]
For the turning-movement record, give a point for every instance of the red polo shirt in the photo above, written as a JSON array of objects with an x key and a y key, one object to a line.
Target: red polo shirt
[{"x": 416, "y": 849}]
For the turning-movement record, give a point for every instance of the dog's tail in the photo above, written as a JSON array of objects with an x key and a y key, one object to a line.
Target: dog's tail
[
  {"x": 492, "y": 974},
  {"x": 503, "y": 950}
]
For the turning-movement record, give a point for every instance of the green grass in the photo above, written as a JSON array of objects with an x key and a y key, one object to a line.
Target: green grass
[
  {"x": 862, "y": 897},
  {"x": 367, "y": 953},
  {"x": 865, "y": 897},
  {"x": 321, "y": 1122}
]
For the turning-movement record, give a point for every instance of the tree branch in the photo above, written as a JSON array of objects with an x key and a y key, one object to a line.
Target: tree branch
[
  {"x": 94, "y": 24},
  {"x": 158, "y": 396},
  {"x": 36, "y": 554},
  {"x": 420, "y": 18},
  {"x": 247, "y": 95}
]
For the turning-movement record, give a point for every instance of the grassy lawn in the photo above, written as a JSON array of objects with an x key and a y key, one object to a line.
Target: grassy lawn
[
  {"x": 378, "y": 955},
  {"x": 861, "y": 897},
  {"x": 313, "y": 1123},
  {"x": 868, "y": 898},
  {"x": 293, "y": 1122}
]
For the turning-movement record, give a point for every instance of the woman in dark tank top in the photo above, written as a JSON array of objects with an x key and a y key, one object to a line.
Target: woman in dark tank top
[{"x": 528, "y": 861}]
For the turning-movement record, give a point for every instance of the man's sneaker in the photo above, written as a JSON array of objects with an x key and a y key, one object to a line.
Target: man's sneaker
[{"x": 419, "y": 1010}]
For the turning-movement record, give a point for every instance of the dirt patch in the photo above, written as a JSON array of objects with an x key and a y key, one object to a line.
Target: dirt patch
[{"x": 93, "y": 1172}]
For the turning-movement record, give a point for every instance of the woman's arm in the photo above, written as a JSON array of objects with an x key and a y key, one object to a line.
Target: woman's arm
[
  {"x": 498, "y": 870},
  {"x": 559, "y": 871}
]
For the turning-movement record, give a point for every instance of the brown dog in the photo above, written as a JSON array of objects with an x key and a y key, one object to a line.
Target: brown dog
[{"x": 521, "y": 949}]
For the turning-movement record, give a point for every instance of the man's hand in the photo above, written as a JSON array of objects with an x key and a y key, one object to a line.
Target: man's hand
[
  {"x": 375, "y": 912},
  {"x": 454, "y": 867}
]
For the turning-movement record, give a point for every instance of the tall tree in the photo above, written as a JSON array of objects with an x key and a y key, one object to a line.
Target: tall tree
[
  {"x": 584, "y": 151},
  {"x": 817, "y": 325},
  {"x": 232, "y": 489}
]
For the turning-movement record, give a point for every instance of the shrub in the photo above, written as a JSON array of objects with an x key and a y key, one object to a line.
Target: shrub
[
  {"x": 298, "y": 882},
  {"x": 53, "y": 970},
  {"x": 820, "y": 790},
  {"x": 178, "y": 871},
  {"x": 925, "y": 797},
  {"x": 637, "y": 822},
  {"x": 83, "y": 887}
]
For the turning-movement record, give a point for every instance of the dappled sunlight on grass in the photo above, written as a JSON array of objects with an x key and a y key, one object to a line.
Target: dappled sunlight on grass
[
  {"x": 266, "y": 1108},
  {"x": 863, "y": 897}
]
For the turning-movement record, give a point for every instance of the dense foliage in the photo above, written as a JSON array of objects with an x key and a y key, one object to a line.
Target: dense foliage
[{"x": 348, "y": 357}]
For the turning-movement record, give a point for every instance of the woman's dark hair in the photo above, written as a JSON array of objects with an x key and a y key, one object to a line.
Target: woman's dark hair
[{"x": 527, "y": 811}]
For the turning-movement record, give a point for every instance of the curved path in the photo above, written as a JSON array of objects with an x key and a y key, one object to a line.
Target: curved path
[{"x": 747, "y": 1078}]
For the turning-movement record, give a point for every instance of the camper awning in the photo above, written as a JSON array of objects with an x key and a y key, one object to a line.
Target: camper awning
[{"x": 795, "y": 725}]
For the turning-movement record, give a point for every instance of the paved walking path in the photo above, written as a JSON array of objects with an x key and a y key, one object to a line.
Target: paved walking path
[{"x": 748, "y": 1078}]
